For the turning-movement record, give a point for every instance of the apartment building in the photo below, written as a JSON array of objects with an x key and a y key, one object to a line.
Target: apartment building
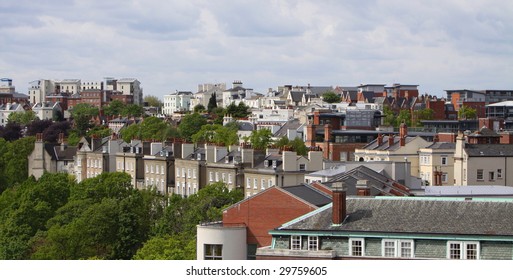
[
  {"x": 159, "y": 171},
  {"x": 190, "y": 170},
  {"x": 436, "y": 164},
  {"x": 177, "y": 101}
]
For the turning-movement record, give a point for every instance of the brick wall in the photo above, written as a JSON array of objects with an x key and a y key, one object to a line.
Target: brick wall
[{"x": 264, "y": 212}]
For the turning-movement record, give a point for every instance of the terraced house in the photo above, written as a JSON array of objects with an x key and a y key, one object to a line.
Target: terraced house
[{"x": 397, "y": 228}]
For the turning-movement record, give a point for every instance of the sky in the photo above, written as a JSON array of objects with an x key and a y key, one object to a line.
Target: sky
[{"x": 176, "y": 45}]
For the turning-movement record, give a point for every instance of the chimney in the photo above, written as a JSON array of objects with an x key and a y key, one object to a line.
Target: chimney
[
  {"x": 403, "y": 132},
  {"x": 39, "y": 137},
  {"x": 362, "y": 188},
  {"x": 390, "y": 139},
  {"x": 289, "y": 161},
  {"x": 187, "y": 149},
  {"x": 247, "y": 155},
  {"x": 310, "y": 135},
  {"x": 327, "y": 132},
  {"x": 380, "y": 139},
  {"x": 339, "y": 203},
  {"x": 436, "y": 138},
  {"x": 61, "y": 138}
]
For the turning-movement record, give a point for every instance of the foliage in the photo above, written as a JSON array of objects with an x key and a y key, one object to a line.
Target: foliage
[
  {"x": 260, "y": 139},
  {"x": 11, "y": 131},
  {"x": 331, "y": 97},
  {"x": 212, "y": 102},
  {"x": 218, "y": 134},
  {"x": 38, "y": 126},
  {"x": 153, "y": 101},
  {"x": 238, "y": 111},
  {"x": 132, "y": 110},
  {"x": 99, "y": 131},
  {"x": 168, "y": 247},
  {"x": 82, "y": 114},
  {"x": 14, "y": 161},
  {"x": 51, "y": 134},
  {"x": 296, "y": 145},
  {"x": 467, "y": 113},
  {"x": 114, "y": 108},
  {"x": 22, "y": 118},
  {"x": 199, "y": 108},
  {"x": 389, "y": 116},
  {"x": 149, "y": 128},
  {"x": 423, "y": 114},
  {"x": 191, "y": 124},
  {"x": 404, "y": 117}
]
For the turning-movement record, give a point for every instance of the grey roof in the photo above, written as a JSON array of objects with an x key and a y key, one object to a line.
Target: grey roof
[
  {"x": 442, "y": 146},
  {"x": 378, "y": 183},
  {"x": 337, "y": 170},
  {"x": 297, "y": 96},
  {"x": 292, "y": 124},
  {"x": 415, "y": 216},
  {"x": 246, "y": 126},
  {"x": 468, "y": 190},
  {"x": 384, "y": 146},
  {"x": 489, "y": 150},
  {"x": 309, "y": 194}
]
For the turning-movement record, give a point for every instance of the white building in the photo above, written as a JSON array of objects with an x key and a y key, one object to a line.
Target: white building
[
  {"x": 46, "y": 110},
  {"x": 131, "y": 86},
  {"x": 7, "y": 109},
  {"x": 177, "y": 101},
  {"x": 39, "y": 89},
  {"x": 236, "y": 94}
]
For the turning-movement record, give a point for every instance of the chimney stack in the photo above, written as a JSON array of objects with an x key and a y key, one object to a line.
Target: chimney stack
[
  {"x": 380, "y": 139},
  {"x": 403, "y": 132},
  {"x": 339, "y": 203},
  {"x": 390, "y": 139},
  {"x": 362, "y": 188}
]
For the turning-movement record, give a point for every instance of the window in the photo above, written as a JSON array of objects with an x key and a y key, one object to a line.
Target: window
[
  {"x": 217, "y": 176},
  {"x": 444, "y": 177},
  {"x": 480, "y": 174},
  {"x": 499, "y": 173},
  {"x": 223, "y": 177},
  {"x": 295, "y": 242},
  {"x": 270, "y": 184},
  {"x": 491, "y": 176},
  {"x": 313, "y": 243},
  {"x": 248, "y": 183},
  {"x": 151, "y": 168},
  {"x": 188, "y": 173},
  {"x": 302, "y": 167},
  {"x": 229, "y": 178},
  {"x": 356, "y": 247},
  {"x": 183, "y": 172},
  {"x": 444, "y": 160},
  {"x": 262, "y": 185},
  {"x": 162, "y": 170},
  {"x": 463, "y": 250},
  {"x": 255, "y": 183},
  {"x": 157, "y": 169},
  {"x": 213, "y": 252},
  {"x": 397, "y": 248},
  {"x": 211, "y": 176},
  {"x": 194, "y": 173}
]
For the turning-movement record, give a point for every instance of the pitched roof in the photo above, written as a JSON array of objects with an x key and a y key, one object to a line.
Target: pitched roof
[
  {"x": 292, "y": 124},
  {"x": 385, "y": 147},
  {"x": 489, "y": 150},
  {"x": 309, "y": 194},
  {"x": 442, "y": 146},
  {"x": 415, "y": 216}
]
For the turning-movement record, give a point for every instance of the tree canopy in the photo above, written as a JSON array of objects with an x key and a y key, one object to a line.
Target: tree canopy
[
  {"x": 190, "y": 125},
  {"x": 149, "y": 128},
  {"x": 330, "y": 97},
  {"x": 23, "y": 118},
  {"x": 260, "y": 139},
  {"x": 153, "y": 101},
  {"x": 467, "y": 113}
]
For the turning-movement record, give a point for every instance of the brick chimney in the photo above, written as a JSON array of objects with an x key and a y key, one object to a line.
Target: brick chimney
[
  {"x": 362, "y": 188},
  {"x": 327, "y": 132},
  {"x": 310, "y": 135},
  {"x": 390, "y": 139},
  {"x": 380, "y": 139},
  {"x": 403, "y": 132},
  {"x": 339, "y": 203}
]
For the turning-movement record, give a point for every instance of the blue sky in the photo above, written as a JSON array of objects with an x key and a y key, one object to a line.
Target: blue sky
[{"x": 176, "y": 45}]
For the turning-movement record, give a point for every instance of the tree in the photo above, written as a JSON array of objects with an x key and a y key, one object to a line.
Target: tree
[
  {"x": 238, "y": 111},
  {"x": 199, "y": 108},
  {"x": 168, "y": 247},
  {"x": 22, "y": 118},
  {"x": 15, "y": 161},
  {"x": 297, "y": 145},
  {"x": 11, "y": 131},
  {"x": 423, "y": 114},
  {"x": 153, "y": 101},
  {"x": 212, "y": 102},
  {"x": 38, "y": 126},
  {"x": 218, "y": 134},
  {"x": 330, "y": 97},
  {"x": 51, "y": 134},
  {"x": 99, "y": 131},
  {"x": 82, "y": 114},
  {"x": 114, "y": 108},
  {"x": 191, "y": 124},
  {"x": 467, "y": 113},
  {"x": 132, "y": 110},
  {"x": 389, "y": 116},
  {"x": 260, "y": 139},
  {"x": 404, "y": 117},
  {"x": 149, "y": 128}
]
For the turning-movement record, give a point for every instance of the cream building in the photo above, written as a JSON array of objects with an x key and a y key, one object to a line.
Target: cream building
[
  {"x": 482, "y": 164},
  {"x": 436, "y": 164},
  {"x": 189, "y": 170},
  {"x": 159, "y": 168}
]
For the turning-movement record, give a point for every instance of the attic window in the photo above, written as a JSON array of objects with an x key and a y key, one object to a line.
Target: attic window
[{"x": 302, "y": 167}]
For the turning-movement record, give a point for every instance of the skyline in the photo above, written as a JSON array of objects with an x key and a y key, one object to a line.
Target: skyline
[{"x": 177, "y": 45}]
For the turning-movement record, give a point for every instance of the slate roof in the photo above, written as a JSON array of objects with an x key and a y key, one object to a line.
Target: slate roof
[
  {"x": 379, "y": 184},
  {"x": 292, "y": 124},
  {"x": 468, "y": 191},
  {"x": 309, "y": 194},
  {"x": 54, "y": 150},
  {"x": 297, "y": 96},
  {"x": 442, "y": 146},
  {"x": 246, "y": 126},
  {"x": 489, "y": 150},
  {"x": 414, "y": 216},
  {"x": 385, "y": 147}
]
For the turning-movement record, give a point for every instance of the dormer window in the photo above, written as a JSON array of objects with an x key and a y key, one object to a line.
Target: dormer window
[
  {"x": 266, "y": 163},
  {"x": 274, "y": 163},
  {"x": 198, "y": 156}
]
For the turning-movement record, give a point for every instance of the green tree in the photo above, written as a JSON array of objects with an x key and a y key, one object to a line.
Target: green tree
[
  {"x": 153, "y": 101},
  {"x": 190, "y": 125},
  {"x": 82, "y": 114},
  {"x": 330, "y": 97},
  {"x": 15, "y": 161},
  {"x": 297, "y": 145},
  {"x": 22, "y": 118},
  {"x": 199, "y": 108},
  {"x": 260, "y": 139},
  {"x": 467, "y": 113},
  {"x": 149, "y": 128},
  {"x": 114, "y": 108},
  {"x": 168, "y": 247},
  {"x": 132, "y": 110},
  {"x": 423, "y": 114},
  {"x": 212, "y": 102},
  {"x": 218, "y": 134},
  {"x": 389, "y": 117},
  {"x": 99, "y": 131},
  {"x": 404, "y": 117}
]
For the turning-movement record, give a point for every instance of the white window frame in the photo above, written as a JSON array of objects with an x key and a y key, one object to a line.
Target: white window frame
[
  {"x": 229, "y": 178},
  {"x": 444, "y": 160},
  {"x": 362, "y": 245},
  {"x": 445, "y": 177},
  {"x": 214, "y": 249},
  {"x": 463, "y": 249},
  {"x": 194, "y": 173},
  {"x": 480, "y": 175},
  {"x": 397, "y": 248},
  {"x": 211, "y": 176},
  {"x": 255, "y": 183},
  {"x": 248, "y": 183},
  {"x": 295, "y": 242},
  {"x": 499, "y": 173},
  {"x": 313, "y": 243}
]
